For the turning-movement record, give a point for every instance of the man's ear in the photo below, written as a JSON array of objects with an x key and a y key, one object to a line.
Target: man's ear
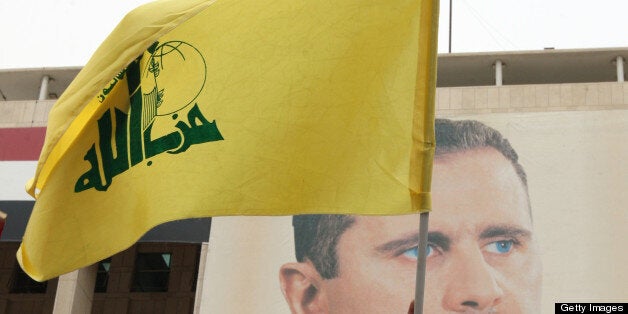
[{"x": 301, "y": 286}]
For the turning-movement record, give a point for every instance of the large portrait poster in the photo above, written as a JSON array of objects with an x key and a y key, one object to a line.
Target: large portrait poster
[{"x": 529, "y": 209}]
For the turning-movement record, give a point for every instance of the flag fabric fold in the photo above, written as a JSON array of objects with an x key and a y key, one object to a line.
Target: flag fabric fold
[{"x": 213, "y": 108}]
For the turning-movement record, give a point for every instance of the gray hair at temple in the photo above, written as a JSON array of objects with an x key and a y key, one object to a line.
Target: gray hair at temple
[{"x": 316, "y": 236}]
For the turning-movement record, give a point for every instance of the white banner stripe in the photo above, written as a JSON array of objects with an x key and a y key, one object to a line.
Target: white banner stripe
[{"x": 13, "y": 178}]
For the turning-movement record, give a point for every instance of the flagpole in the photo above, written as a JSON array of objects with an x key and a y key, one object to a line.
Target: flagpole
[
  {"x": 419, "y": 289},
  {"x": 429, "y": 38},
  {"x": 450, "y": 10}
]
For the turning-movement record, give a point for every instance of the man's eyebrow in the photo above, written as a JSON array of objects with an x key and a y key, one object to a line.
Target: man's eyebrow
[
  {"x": 409, "y": 241},
  {"x": 505, "y": 231}
]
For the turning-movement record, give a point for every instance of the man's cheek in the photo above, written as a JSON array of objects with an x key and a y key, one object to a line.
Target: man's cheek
[
  {"x": 521, "y": 282},
  {"x": 436, "y": 279},
  {"x": 512, "y": 263},
  {"x": 403, "y": 281},
  {"x": 392, "y": 276}
]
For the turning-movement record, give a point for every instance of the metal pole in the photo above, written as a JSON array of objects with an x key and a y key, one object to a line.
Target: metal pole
[
  {"x": 620, "y": 68},
  {"x": 450, "y": 10},
  {"x": 498, "y": 73},
  {"x": 43, "y": 88},
  {"x": 421, "y": 263}
]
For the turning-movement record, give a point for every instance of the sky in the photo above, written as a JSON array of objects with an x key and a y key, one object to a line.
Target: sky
[{"x": 57, "y": 33}]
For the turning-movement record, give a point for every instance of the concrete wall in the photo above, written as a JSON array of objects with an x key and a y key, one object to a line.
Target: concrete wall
[
  {"x": 531, "y": 98},
  {"x": 24, "y": 113},
  {"x": 449, "y": 101}
]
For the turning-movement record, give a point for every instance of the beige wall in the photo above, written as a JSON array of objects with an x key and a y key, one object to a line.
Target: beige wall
[
  {"x": 75, "y": 291},
  {"x": 24, "y": 113},
  {"x": 450, "y": 101},
  {"x": 242, "y": 266},
  {"x": 531, "y": 98}
]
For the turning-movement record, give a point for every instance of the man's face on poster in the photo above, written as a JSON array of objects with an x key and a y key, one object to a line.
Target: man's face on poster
[{"x": 482, "y": 257}]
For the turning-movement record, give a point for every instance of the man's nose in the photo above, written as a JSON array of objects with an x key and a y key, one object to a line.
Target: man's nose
[{"x": 471, "y": 284}]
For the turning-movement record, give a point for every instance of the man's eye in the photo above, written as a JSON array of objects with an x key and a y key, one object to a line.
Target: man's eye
[
  {"x": 414, "y": 252},
  {"x": 500, "y": 247}
]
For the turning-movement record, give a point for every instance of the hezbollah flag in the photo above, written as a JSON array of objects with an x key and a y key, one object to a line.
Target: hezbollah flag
[{"x": 236, "y": 107}]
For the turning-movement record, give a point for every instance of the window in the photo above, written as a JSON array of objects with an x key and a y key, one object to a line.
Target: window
[
  {"x": 22, "y": 283},
  {"x": 151, "y": 272},
  {"x": 102, "y": 276}
]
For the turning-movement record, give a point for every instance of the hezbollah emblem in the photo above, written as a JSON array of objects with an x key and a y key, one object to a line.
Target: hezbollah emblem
[{"x": 159, "y": 120}]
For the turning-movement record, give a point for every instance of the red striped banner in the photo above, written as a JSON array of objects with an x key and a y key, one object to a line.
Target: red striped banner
[{"x": 20, "y": 144}]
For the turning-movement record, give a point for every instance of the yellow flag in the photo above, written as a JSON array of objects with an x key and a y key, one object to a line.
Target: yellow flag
[{"x": 236, "y": 107}]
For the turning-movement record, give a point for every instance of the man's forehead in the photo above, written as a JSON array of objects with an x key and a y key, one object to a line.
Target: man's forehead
[
  {"x": 483, "y": 164},
  {"x": 482, "y": 172},
  {"x": 386, "y": 221},
  {"x": 478, "y": 182},
  {"x": 477, "y": 153},
  {"x": 377, "y": 228}
]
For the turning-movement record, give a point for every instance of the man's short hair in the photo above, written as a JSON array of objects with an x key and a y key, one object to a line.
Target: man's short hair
[
  {"x": 316, "y": 236},
  {"x": 457, "y": 136}
]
